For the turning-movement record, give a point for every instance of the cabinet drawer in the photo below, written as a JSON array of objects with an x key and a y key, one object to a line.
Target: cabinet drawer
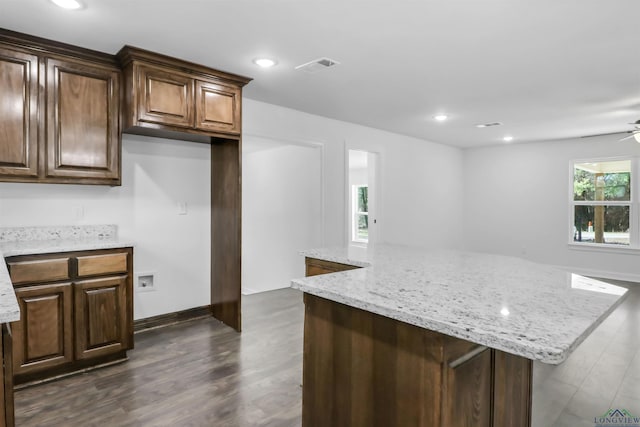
[
  {"x": 47, "y": 270},
  {"x": 102, "y": 264}
]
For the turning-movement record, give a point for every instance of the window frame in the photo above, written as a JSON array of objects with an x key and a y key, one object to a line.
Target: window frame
[
  {"x": 355, "y": 213},
  {"x": 633, "y": 203}
]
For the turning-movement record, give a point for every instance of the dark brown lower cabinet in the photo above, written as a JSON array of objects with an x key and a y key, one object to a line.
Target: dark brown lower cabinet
[
  {"x": 76, "y": 311},
  {"x": 100, "y": 317},
  {"x": 42, "y": 337},
  {"x": 363, "y": 369}
]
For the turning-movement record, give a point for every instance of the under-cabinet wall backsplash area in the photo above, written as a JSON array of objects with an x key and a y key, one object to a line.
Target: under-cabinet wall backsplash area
[
  {"x": 158, "y": 175},
  {"x": 161, "y": 180}
]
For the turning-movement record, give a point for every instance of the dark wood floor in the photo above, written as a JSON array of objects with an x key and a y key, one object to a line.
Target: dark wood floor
[
  {"x": 201, "y": 373},
  {"x": 602, "y": 373},
  {"x": 198, "y": 373}
]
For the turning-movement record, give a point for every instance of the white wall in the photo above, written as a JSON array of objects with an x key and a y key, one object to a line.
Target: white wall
[
  {"x": 156, "y": 175},
  {"x": 421, "y": 182},
  {"x": 423, "y": 203},
  {"x": 517, "y": 203},
  {"x": 420, "y": 201},
  {"x": 281, "y": 213}
]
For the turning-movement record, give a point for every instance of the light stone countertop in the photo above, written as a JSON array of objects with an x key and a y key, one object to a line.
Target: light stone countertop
[
  {"x": 507, "y": 303},
  {"x": 42, "y": 240},
  {"x": 9, "y": 310}
]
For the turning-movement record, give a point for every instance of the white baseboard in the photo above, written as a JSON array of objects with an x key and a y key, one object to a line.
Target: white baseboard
[{"x": 249, "y": 291}]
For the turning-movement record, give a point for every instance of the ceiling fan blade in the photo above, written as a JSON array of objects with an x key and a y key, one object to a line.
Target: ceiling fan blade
[
  {"x": 607, "y": 133},
  {"x": 627, "y": 137}
]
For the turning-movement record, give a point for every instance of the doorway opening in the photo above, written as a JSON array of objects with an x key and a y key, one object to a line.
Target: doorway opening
[
  {"x": 282, "y": 210},
  {"x": 361, "y": 191}
]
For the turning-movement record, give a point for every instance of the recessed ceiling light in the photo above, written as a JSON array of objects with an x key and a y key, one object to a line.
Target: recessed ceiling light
[
  {"x": 507, "y": 138},
  {"x": 68, "y": 4},
  {"x": 265, "y": 62},
  {"x": 441, "y": 117}
]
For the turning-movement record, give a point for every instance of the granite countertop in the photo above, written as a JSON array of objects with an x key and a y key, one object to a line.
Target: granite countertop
[
  {"x": 41, "y": 240},
  {"x": 9, "y": 310},
  {"x": 510, "y": 304}
]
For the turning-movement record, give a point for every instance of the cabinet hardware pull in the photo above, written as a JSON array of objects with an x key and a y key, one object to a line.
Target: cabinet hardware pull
[{"x": 464, "y": 358}]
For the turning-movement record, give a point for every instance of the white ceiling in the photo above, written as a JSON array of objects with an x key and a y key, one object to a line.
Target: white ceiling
[{"x": 546, "y": 69}]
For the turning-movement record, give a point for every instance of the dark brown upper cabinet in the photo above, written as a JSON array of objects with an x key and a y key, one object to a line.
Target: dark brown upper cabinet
[
  {"x": 164, "y": 98},
  {"x": 18, "y": 113},
  {"x": 169, "y": 97},
  {"x": 217, "y": 107},
  {"x": 59, "y": 113},
  {"x": 83, "y": 138}
]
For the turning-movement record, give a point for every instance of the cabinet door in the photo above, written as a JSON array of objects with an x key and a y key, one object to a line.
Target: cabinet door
[
  {"x": 42, "y": 338},
  {"x": 101, "y": 317},
  {"x": 164, "y": 98},
  {"x": 217, "y": 107},
  {"x": 83, "y": 113},
  {"x": 468, "y": 394},
  {"x": 19, "y": 113}
]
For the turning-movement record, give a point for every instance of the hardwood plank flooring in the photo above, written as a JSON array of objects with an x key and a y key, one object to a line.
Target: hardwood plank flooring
[
  {"x": 199, "y": 373},
  {"x": 602, "y": 373},
  {"x": 202, "y": 373}
]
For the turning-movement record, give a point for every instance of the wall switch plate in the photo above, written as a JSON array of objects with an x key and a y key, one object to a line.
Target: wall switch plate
[
  {"x": 182, "y": 208},
  {"x": 145, "y": 282}
]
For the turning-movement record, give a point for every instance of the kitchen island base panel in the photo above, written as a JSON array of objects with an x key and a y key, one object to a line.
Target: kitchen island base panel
[{"x": 363, "y": 369}]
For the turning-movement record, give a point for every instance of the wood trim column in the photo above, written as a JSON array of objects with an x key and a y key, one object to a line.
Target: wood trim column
[
  {"x": 8, "y": 418},
  {"x": 226, "y": 246}
]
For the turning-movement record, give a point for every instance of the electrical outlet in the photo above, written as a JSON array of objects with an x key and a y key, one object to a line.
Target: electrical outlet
[
  {"x": 145, "y": 282},
  {"x": 78, "y": 213}
]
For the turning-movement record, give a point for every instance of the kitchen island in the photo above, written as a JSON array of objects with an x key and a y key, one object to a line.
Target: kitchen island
[{"x": 406, "y": 336}]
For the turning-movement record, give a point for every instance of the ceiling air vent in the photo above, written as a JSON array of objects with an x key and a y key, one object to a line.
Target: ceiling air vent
[
  {"x": 317, "y": 65},
  {"x": 486, "y": 125}
]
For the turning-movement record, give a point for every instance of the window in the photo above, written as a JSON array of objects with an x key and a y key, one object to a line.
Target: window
[
  {"x": 360, "y": 222},
  {"x": 602, "y": 203}
]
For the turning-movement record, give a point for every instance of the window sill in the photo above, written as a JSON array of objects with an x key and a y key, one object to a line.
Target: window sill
[{"x": 604, "y": 248}]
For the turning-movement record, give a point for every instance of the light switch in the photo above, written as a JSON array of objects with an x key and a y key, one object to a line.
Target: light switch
[{"x": 182, "y": 208}]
